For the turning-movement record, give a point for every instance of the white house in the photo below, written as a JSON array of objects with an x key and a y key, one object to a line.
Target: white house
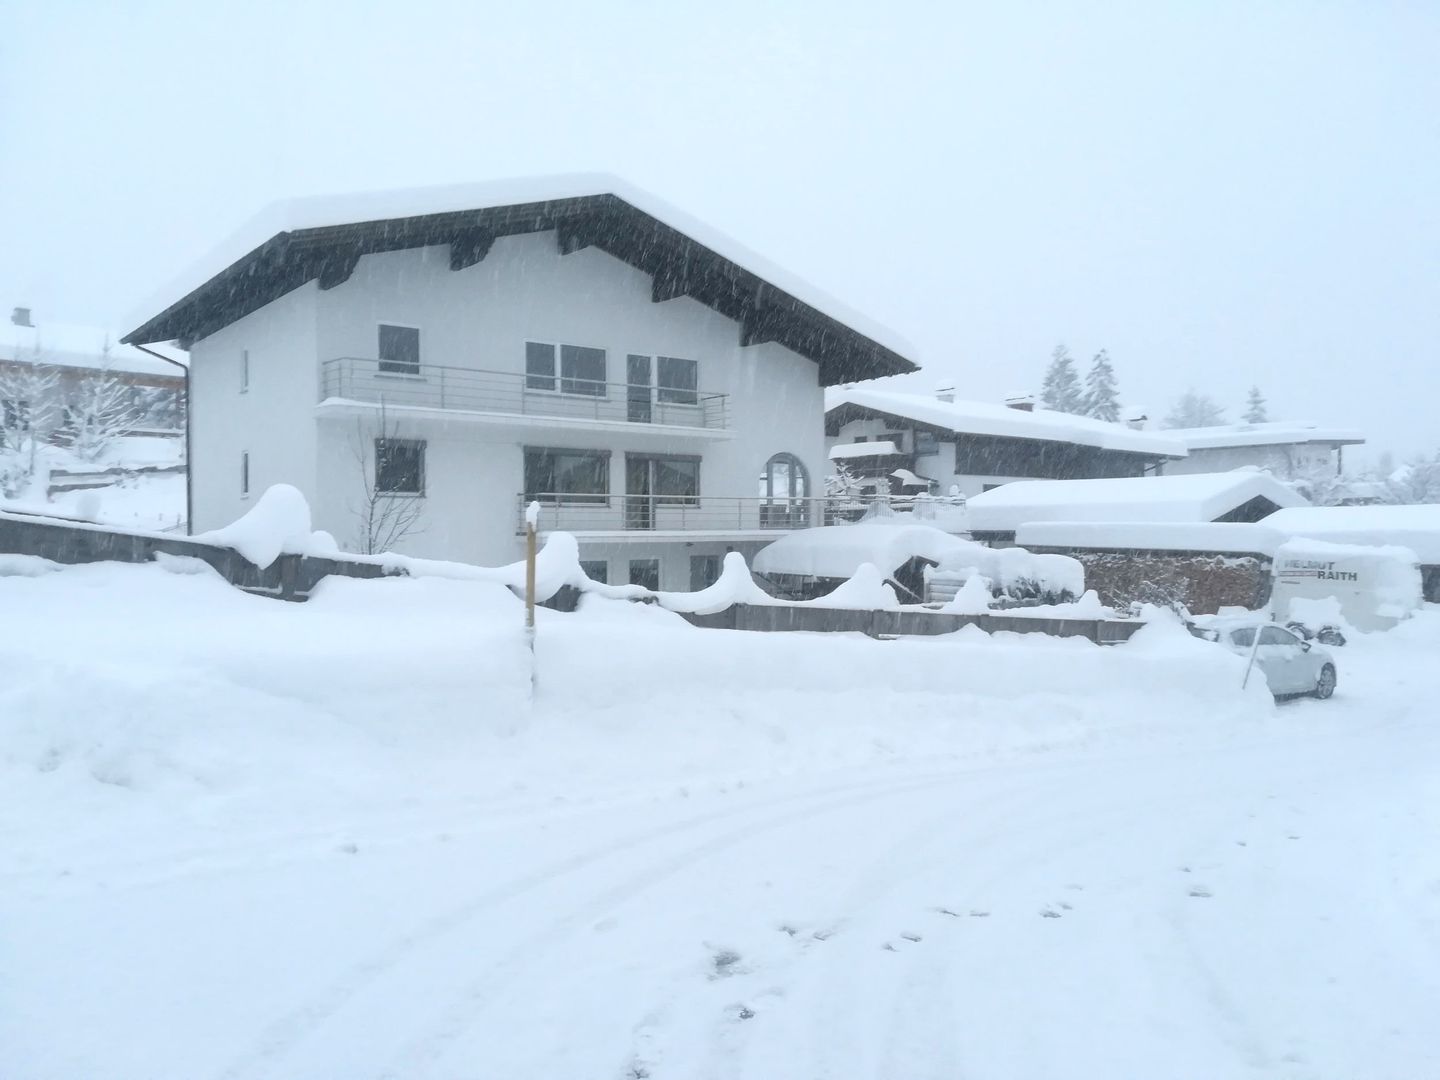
[
  {"x": 948, "y": 446},
  {"x": 1289, "y": 450},
  {"x": 461, "y": 351}
]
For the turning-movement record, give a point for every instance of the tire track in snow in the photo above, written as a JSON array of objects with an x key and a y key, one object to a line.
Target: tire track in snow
[{"x": 292, "y": 1029}]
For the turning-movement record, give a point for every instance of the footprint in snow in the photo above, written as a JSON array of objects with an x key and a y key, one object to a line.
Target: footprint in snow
[
  {"x": 1049, "y": 913},
  {"x": 1202, "y": 892},
  {"x": 911, "y": 937}
]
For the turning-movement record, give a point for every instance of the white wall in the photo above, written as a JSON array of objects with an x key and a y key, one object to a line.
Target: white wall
[
  {"x": 524, "y": 290},
  {"x": 1288, "y": 462},
  {"x": 273, "y": 420}
]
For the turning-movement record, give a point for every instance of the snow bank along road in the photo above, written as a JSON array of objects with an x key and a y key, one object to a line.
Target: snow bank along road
[{"x": 244, "y": 839}]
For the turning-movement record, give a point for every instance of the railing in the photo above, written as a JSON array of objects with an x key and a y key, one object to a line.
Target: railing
[
  {"x": 437, "y": 387},
  {"x": 678, "y": 513}
]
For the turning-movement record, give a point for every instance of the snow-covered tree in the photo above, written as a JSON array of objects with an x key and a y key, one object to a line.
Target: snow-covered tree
[
  {"x": 1061, "y": 389},
  {"x": 1194, "y": 410},
  {"x": 1417, "y": 481},
  {"x": 842, "y": 483},
  {"x": 100, "y": 409},
  {"x": 30, "y": 410},
  {"x": 1102, "y": 398},
  {"x": 1255, "y": 408}
]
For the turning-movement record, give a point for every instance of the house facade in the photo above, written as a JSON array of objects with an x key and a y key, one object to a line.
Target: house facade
[
  {"x": 1287, "y": 450},
  {"x": 450, "y": 356},
  {"x": 946, "y": 446}
]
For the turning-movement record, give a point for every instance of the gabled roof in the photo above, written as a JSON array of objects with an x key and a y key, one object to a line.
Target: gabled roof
[
  {"x": 1413, "y": 527},
  {"x": 1271, "y": 433},
  {"x": 982, "y": 418},
  {"x": 63, "y": 345},
  {"x": 321, "y": 238},
  {"x": 1196, "y": 497}
]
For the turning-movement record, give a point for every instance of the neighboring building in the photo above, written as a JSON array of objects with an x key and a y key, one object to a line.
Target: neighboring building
[
  {"x": 1290, "y": 451},
  {"x": 944, "y": 446},
  {"x": 657, "y": 389},
  {"x": 1246, "y": 495},
  {"x": 77, "y": 355}
]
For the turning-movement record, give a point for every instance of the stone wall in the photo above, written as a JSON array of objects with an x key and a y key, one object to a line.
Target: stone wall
[{"x": 1202, "y": 583}]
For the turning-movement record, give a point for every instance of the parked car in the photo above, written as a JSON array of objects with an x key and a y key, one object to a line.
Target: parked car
[{"x": 1291, "y": 665}]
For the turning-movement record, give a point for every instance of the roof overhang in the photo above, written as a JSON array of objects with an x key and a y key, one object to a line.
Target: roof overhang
[{"x": 678, "y": 264}]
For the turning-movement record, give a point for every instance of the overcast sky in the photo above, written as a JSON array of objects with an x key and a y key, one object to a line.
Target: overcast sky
[{"x": 1218, "y": 194}]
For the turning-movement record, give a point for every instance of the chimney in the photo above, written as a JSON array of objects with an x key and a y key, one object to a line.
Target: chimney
[
  {"x": 21, "y": 317},
  {"x": 1137, "y": 422},
  {"x": 1022, "y": 402},
  {"x": 946, "y": 394}
]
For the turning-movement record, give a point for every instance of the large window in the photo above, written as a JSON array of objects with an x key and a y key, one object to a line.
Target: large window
[
  {"x": 704, "y": 571},
  {"x": 581, "y": 369},
  {"x": 669, "y": 479},
  {"x": 400, "y": 466},
  {"x": 596, "y": 570},
  {"x": 567, "y": 475},
  {"x": 399, "y": 349},
  {"x": 645, "y": 573},
  {"x": 678, "y": 382},
  {"x": 784, "y": 491}
]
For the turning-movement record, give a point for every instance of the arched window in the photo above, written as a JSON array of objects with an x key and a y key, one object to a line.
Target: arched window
[{"x": 784, "y": 491}]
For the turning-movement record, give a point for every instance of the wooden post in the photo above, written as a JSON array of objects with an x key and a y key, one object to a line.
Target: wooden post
[{"x": 532, "y": 515}]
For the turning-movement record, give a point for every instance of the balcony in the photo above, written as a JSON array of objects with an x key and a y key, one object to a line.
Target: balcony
[
  {"x": 642, "y": 515},
  {"x": 514, "y": 396}
]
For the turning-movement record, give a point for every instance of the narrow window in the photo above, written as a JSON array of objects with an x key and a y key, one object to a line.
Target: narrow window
[
  {"x": 539, "y": 366},
  {"x": 582, "y": 370},
  {"x": 570, "y": 476},
  {"x": 244, "y": 474},
  {"x": 646, "y": 573},
  {"x": 244, "y": 370},
  {"x": 679, "y": 381},
  {"x": 596, "y": 570},
  {"x": 399, "y": 349},
  {"x": 704, "y": 571},
  {"x": 400, "y": 466},
  {"x": 926, "y": 443}
]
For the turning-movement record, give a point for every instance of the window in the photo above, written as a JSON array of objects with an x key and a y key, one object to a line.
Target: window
[
  {"x": 1244, "y": 637},
  {"x": 646, "y": 573},
  {"x": 784, "y": 478},
  {"x": 926, "y": 443},
  {"x": 400, "y": 466},
  {"x": 704, "y": 571},
  {"x": 399, "y": 349},
  {"x": 244, "y": 474},
  {"x": 539, "y": 366},
  {"x": 582, "y": 370},
  {"x": 16, "y": 414},
  {"x": 678, "y": 381},
  {"x": 244, "y": 370},
  {"x": 1273, "y": 635},
  {"x": 596, "y": 570},
  {"x": 567, "y": 475},
  {"x": 674, "y": 480},
  {"x": 896, "y": 437}
]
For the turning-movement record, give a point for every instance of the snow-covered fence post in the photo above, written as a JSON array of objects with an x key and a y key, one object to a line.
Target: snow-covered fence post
[
  {"x": 1254, "y": 648},
  {"x": 532, "y": 518}
]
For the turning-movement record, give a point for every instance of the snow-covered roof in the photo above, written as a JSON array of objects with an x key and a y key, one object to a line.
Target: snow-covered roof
[
  {"x": 1272, "y": 433},
  {"x": 1228, "y": 537},
  {"x": 1197, "y": 497},
  {"x": 63, "y": 345},
  {"x": 1413, "y": 527},
  {"x": 837, "y": 551},
  {"x": 984, "y": 418},
  {"x": 540, "y": 199},
  {"x": 879, "y": 448}
]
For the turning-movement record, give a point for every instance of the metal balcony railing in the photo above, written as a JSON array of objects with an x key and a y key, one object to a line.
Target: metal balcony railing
[
  {"x": 435, "y": 386},
  {"x": 707, "y": 513}
]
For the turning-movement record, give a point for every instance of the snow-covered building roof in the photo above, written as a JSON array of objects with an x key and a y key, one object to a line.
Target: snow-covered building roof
[
  {"x": 1245, "y": 495},
  {"x": 1413, "y": 527},
  {"x": 878, "y": 448},
  {"x": 1224, "y": 537},
  {"x": 983, "y": 418},
  {"x": 300, "y": 240},
  {"x": 63, "y": 345},
  {"x": 837, "y": 551},
  {"x": 1271, "y": 433}
]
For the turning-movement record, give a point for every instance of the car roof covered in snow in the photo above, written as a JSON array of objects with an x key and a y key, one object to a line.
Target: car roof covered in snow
[
  {"x": 66, "y": 345},
  {"x": 1194, "y": 497},
  {"x": 1413, "y": 527},
  {"x": 296, "y": 241},
  {"x": 1226, "y": 537},
  {"x": 1270, "y": 433},
  {"x": 984, "y": 418}
]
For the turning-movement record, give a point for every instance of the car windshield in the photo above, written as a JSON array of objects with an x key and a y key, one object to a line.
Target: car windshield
[{"x": 1244, "y": 636}]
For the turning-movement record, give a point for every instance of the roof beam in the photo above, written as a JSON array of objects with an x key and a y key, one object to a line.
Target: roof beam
[
  {"x": 469, "y": 248},
  {"x": 335, "y": 267},
  {"x": 572, "y": 235},
  {"x": 670, "y": 282},
  {"x": 760, "y": 325}
]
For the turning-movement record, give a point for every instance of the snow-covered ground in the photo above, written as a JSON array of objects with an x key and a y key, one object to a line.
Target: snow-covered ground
[
  {"x": 248, "y": 839},
  {"x": 149, "y": 501}
]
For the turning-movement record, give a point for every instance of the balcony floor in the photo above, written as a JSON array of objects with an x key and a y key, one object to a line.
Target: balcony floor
[{"x": 347, "y": 408}]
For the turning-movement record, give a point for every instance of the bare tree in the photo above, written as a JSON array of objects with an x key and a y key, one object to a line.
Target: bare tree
[
  {"x": 386, "y": 515},
  {"x": 1192, "y": 410},
  {"x": 30, "y": 411},
  {"x": 101, "y": 409}
]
